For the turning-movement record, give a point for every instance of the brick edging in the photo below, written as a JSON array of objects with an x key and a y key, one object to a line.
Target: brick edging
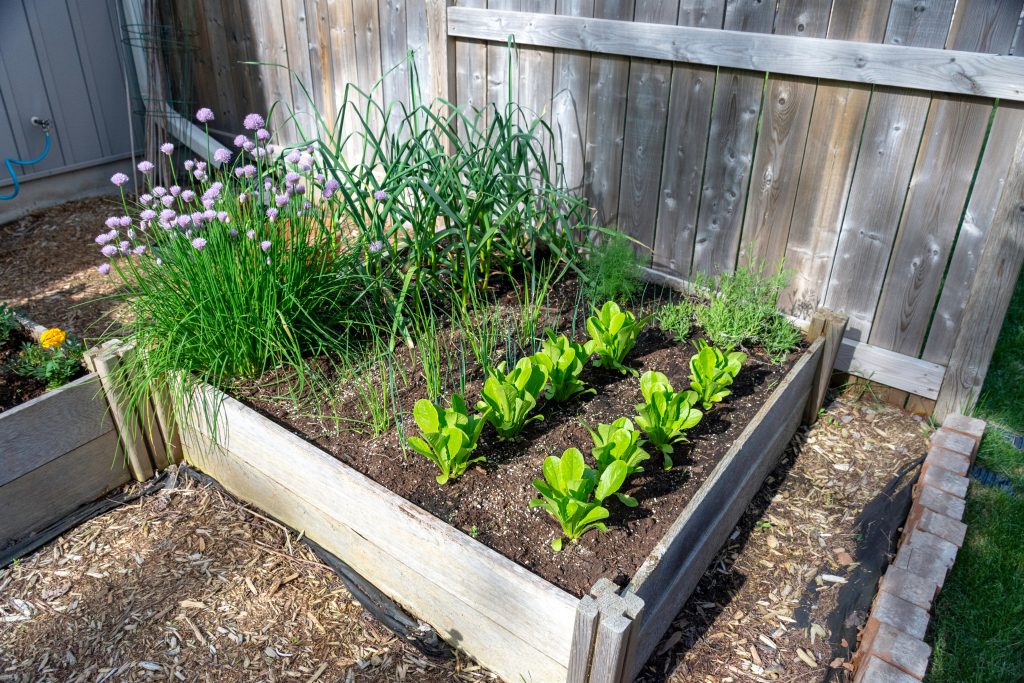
[{"x": 892, "y": 647}]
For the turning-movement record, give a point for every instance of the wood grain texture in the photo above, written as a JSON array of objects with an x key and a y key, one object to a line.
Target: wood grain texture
[
  {"x": 606, "y": 112},
  {"x": 981, "y": 211},
  {"x": 470, "y": 66},
  {"x": 441, "y": 51},
  {"x": 731, "y": 140},
  {"x": 366, "y": 25},
  {"x": 964, "y": 73},
  {"x": 644, "y": 135},
  {"x": 998, "y": 269},
  {"x": 583, "y": 633},
  {"x": 570, "y": 100},
  {"x": 45, "y": 428},
  {"x": 785, "y": 118},
  {"x": 833, "y": 138},
  {"x": 831, "y": 326},
  {"x": 44, "y": 495},
  {"x": 536, "y": 75},
  {"x": 611, "y": 642},
  {"x": 394, "y": 45},
  {"x": 666, "y": 579},
  {"x": 503, "y": 86},
  {"x": 511, "y": 620},
  {"x": 913, "y": 375},
  {"x": 105, "y": 362}
]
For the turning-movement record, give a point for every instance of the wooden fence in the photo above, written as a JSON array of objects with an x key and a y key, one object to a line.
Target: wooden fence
[{"x": 873, "y": 145}]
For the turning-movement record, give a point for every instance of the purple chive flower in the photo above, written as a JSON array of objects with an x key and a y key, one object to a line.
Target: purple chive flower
[
  {"x": 232, "y": 233},
  {"x": 204, "y": 115},
  {"x": 223, "y": 217},
  {"x": 291, "y": 178},
  {"x": 293, "y": 157},
  {"x": 249, "y": 171},
  {"x": 159, "y": 191},
  {"x": 139, "y": 250},
  {"x": 305, "y": 163},
  {"x": 103, "y": 268},
  {"x": 175, "y": 190},
  {"x": 167, "y": 200},
  {"x": 199, "y": 243},
  {"x": 238, "y": 171},
  {"x": 167, "y": 215},
  {"x": 300, "y": 189},
  {"x": 209, "y": 215},
  {"x": 271, "y": 149},
  {"x": 271, "y": 213},
  {"x": 243, "y": 198},
  {"x": 102, "y": 238},
  {"x": 376, "y": 246},
  {"x": 307, "y": 205},
  {"x": 112, "y": 222},
  {"x": 188, "y": 196},
  {"x": 146, "y": 198},
  {"x": 167, "y": 148},
  {"x": 145, "y": 166},
  {"x": 319, "y": 177},
  {"x": 240, "y": 140},
  {"x": 199, "y": 175},
  {"x": 330, "y": 187},
  {"x": 248, "y": 145},
  {"x": 265, "y": 245},
  {"x": 263, "y": 134},
  {"x": 380, "y": 195},
  {"x": 124, "y": 221},
  {"x": 109, "y": 250},
  {"x": 119, "y": 179},
  {"x": 253, "y": 122},
  {"x": 281, "y": 200},
  {"x": 222, "y": 156},
  {"x": 190, "y": 164},
  {"x": 183, "y": 220},
  {"x": 251, "y": 234},
  {"x": 208, "y": 203},
  {"x": 260, "y": 152},
  {"x": 197, "y": 218}
]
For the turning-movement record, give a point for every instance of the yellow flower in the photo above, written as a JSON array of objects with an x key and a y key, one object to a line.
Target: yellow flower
[{"x": 53, "y": 338}]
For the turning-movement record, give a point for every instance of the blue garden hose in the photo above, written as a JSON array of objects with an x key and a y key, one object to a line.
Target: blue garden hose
[{"x": 9, "y": 162}]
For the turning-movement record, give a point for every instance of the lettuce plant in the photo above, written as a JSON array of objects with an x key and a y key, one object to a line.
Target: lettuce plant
[
  {"x": 509, "y": 397},
  {"x": 564, "y": 362},
  {"x": 572, "y": 493},
  {"x": 449, "y": 436},
  {"x": 667, "y": 413},
  {"x": 712, "y": 370},
  {"x": 619, "y": 442},
  {"x": 613, "y": 333}
]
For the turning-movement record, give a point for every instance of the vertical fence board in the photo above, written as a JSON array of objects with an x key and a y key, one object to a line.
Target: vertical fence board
[
  {"x": 730, "y": 148},
  {"x": 779, "y": 155},
  {"x": 394, "y": 42},
  {"x": 417, "y": 40},
  {"x": 503, "y": 87},
  {"x": 686, "y": 139},
  {"x": 570, "y": 99},
  {"x": 644, "y": 135},
  {"x": 471, "y": 67},
  {"x": 368, "y": 56},
  {"x": 537, "y": 73}
]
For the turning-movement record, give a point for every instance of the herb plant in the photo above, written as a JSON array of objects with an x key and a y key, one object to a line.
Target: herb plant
[
  {"x": 509, "y": 397},
  {"x": 449, "y": 436},
  {"x": 666, "y": 414},
  {"x": 572, "y": 493},
  {"x": 8, "y": 323},
  {"x": 619, "y": 442},
  {"x": 712, "y": 370},
  {"x": 612, "y": 270},
  {"x": 54, "y": 360},
  {"x": 613, "y": 333},
  {"x": 564, "y": 362},
  {"x": 677, "y": 318}
]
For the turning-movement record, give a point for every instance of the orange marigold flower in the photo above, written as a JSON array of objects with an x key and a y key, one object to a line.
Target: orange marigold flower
[{"x": 53, "y": 338}]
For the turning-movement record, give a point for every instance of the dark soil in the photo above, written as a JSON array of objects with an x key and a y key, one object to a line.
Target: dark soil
[
  {"x": 15, "y": 389},
  {"x": 491, "y": 501}
]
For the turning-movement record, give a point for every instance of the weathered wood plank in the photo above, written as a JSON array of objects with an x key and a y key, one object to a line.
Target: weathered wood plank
[
  {"x": 45, "y": 428},
  {"x": 730, "y": 149},
  {"x": 896, "y": 370},
  {"x": 441, "y": 51},
  {"x": 606, "y": 113},
  {"x": 583, "y": 633},
  {"x": 272, "y": 49},
  {"x": 964, "y": 73},
  {"x": 831, "y": 326},
  {"x": 778, "y": 158},
  {"x": 668, "y": 576},
  {"x": 686, "y": 138},
  {"x": 344, "y": 71},
  {"x": 613, "y": 628},
  {"x": 644, "y": 135},
  {"x": 104, "y": 362},
  {"x": 394, "y": 43},
  {"x": 468, "y": 579},
  {"x": 470, "y": 66},
  {"x": 536, "y": 75},
  {"x": 366, "y": 25},
  {"x": 42, "y": 496},
  {"x": 417, "y": 31},
  {"x": 570, "y": 101},
  {"x": 502, "y": 86},
  {"x": 946, "y": 165},
  {"x": 993, "y": 287}
]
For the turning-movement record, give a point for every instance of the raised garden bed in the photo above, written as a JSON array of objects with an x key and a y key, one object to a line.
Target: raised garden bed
[{"x": 562, "y": 621}]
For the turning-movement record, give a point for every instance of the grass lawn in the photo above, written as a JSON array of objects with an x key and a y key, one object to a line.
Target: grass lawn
[{"x": 978, "y": 628}]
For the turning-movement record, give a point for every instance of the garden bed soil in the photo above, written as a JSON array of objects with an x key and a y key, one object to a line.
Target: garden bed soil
[
  {"x": 491, "y": 501},
  {"x": 16, "y": 389}
]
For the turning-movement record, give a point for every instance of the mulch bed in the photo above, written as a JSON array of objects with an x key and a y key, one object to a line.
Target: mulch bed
[
  {"x": 15, "y": 389},
  {"x": 491, "y": 501}
]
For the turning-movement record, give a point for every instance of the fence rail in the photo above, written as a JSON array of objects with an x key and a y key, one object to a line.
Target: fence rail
[{"x": 869, "y": 144}]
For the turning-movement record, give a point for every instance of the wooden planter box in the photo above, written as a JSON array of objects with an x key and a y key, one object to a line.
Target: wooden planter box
[{"x": 511, "y": 620}]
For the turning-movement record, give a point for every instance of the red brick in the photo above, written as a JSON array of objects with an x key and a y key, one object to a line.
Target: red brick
[
  {"x": 969, "y": 426},
  {"x": 875, "y": 670},
  {"x": 892, "y": 645},
  {"x": 913, "y": 519},
  {"x": 957, "y": 463},
  {"x": 952, "y": 530},
  {"x": 926, "y": 555},
  {"x": 943, "y": 479},
  {"x": 955, "y": 441},
  {"x": 941, "y": 502},
  {"x": 897, "y": 612},
  {"x": 909, "y": 586}
]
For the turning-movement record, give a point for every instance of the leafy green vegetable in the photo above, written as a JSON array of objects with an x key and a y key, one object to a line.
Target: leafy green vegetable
[
  {"x": 712, "y": 370},
  {"x": 667, "y": 414},
  {"x": 449, "y": 436},
  {"x": 613, "y": 333},
  {"x": 563, "y": 361},
  {"x": 572, "y": 493},
  {"x": 509, "y": 397},
  {"x": 619, "y": 442}
]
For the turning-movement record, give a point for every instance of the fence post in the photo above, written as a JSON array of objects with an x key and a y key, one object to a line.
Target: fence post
[
  {"x": 104, "y": 361},
  {"x": 440, "y": 50},
  {"x": 831, "y": 325}
]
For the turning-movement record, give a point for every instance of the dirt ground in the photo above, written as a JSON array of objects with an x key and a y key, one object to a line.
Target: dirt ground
[{"x": 188, "y": 584}]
